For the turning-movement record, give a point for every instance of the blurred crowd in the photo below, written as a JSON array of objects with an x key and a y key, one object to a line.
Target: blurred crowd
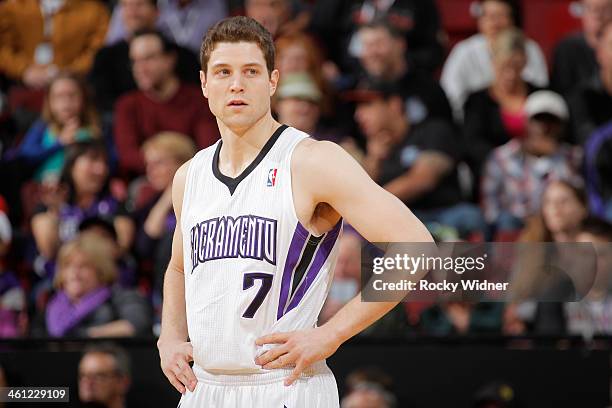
[{"x": 484, "y": 138}]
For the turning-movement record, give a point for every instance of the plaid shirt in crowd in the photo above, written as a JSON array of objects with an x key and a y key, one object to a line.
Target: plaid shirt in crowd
[{"x": 513, "y": 181}]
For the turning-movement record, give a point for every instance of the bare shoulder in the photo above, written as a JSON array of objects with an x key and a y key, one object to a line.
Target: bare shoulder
[
  {"x": 325, "y": 172},
  {"x": 178, "y": 187},
  {"x": 313, "y": 157}
]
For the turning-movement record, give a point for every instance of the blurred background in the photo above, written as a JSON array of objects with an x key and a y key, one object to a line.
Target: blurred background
[{"x": 490, "y": 119}]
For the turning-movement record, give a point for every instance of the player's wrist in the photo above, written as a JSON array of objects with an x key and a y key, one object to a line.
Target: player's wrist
[
  {"x": 334, "y": 334},
  {"x": 166, "y": 341}
]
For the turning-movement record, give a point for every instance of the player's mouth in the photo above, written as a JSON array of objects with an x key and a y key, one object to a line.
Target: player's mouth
[{"x": 237, "y": 102}]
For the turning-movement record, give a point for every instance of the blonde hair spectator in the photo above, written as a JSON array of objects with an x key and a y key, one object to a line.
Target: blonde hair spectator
[
  {"x": 178, "y": 145},
  {"x": 508, "y": 42},
  {"x": 99, "y": 254}
]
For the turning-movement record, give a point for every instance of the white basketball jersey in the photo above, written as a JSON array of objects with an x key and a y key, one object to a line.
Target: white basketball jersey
[{"x": 250, "y": 267}]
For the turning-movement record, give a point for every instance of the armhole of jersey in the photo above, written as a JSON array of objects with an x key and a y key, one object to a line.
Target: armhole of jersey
[
  {"x": 290, "y": 189},
  {"x": 187, "y": 189}
]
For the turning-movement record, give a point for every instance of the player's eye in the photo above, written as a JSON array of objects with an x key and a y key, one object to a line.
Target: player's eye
[
  {"x": 223, "y": 72},
  {"x": 252, "y": 71}
]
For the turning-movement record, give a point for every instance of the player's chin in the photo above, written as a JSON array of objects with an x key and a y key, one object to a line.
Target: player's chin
[{"x": 239, "y": 119}]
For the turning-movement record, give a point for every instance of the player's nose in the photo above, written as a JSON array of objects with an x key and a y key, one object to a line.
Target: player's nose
[{"x": 237, "y": 83}]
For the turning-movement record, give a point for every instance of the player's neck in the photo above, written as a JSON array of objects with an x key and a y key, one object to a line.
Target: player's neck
[{"x": 241, "y": 146}]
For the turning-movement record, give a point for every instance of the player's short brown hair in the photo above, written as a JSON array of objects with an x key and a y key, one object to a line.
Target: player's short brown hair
[{"x": 238, "y": 29}]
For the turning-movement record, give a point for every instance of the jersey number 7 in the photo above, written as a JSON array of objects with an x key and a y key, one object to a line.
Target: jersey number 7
[{"x": 266, "y": 285}]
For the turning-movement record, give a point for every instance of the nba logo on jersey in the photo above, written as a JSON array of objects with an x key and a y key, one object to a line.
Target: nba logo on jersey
[{"x": 271, "y": 177}]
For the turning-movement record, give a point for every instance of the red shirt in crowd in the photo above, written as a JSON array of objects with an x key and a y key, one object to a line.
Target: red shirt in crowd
[{"x": 139, "y": 117}]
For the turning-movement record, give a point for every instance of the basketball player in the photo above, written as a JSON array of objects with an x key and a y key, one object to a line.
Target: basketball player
[{"x": 258, "y": 219}]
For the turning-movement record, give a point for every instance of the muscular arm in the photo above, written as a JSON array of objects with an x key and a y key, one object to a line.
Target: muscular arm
[
  {"x": 375, "y": 213},
  {"x": 175, "y": 352}
]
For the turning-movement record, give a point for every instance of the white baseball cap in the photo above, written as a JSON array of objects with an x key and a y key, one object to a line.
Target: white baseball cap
[{"x": 546, "y": 102}]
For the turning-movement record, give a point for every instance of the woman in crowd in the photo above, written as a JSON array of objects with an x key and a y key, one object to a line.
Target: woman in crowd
[
  {"x": 83, "y": 192},
  {"x": 163, "y": 154},
  {"x": 68, "y": 116},
  {"x": 468, "y": 68},
  {"x": 298, "y": 53},
  {"x": 495, "y": 115},
  {"x": 86, "y": 303},
  {"x": 548, "y": 273}
]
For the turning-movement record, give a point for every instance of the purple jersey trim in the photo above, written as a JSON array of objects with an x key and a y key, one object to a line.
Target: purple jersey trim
[
  {"x": 319, "y": 260},
  {"x": 300, "y": 237}
]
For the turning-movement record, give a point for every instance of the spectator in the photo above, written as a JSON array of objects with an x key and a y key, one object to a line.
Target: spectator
[
  {"x": 469, "y": 67},
  {"x": 40, "y": 37},
  {"x": 162, "y": 102},
  {"x": 462, "y": 318},
  {"x": 163, "y": 154},
  {"x": 103, "y": 229},
  {"x": 564, "y": 207},
  {"x": 298, "y": 103},
  {"x": 368, "y": 374},
  {"x": 87, "y": 304},
  {"x": 84, "y": 192},
  {"x": 591, "y": 100},
  {"x": 68, "y": 116},
  {"x": 368, "y": 395},
  {"x": 495, "y": 115},
  {"x": 574, "y": 57},
  {"x": 418, "y": 164},
  {"x": 298, "y": 53},
  {"x": 13, "y": 307},
  {"x": 418, "y": 21},
  {"x": 516, "y": 173},
  {"x": 598, "y": 152},
  {"x": 593, "y": 314},
  {"x": 277, "y": 16},
  {"x": 104, "y": 376},
  {"x": 382, "y": 57},
  {"x": 111, "y": 75},
  {"x": 184, "y": 21}
]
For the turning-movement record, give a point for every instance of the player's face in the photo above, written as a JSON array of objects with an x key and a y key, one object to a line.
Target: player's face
[
  {"x": 79, "y": 276},
  {"x": 237, "y": 84},
  {"x": 99, "y": 380}
]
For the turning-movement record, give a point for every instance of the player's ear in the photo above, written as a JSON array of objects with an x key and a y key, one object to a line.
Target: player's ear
[
  {"x": 203, "y": 84},
  {"x": 274, "y": 81}
]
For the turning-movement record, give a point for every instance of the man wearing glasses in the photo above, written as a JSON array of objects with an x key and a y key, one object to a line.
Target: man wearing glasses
[{"x": 104, "y": 376}]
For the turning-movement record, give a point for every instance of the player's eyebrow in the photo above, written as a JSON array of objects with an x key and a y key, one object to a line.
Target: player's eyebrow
[{"x": 246, "y": 65}]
